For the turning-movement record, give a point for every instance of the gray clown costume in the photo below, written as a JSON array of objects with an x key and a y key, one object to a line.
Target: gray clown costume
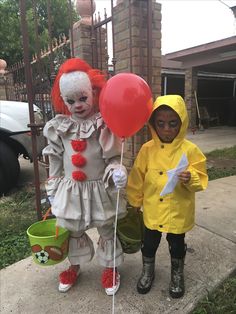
[{"x": 81, "y": 204}]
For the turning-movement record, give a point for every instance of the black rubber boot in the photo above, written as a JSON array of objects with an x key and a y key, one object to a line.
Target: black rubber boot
[
  {"x": 177, "y": 288},
  {"x": 145, "y": 281}
]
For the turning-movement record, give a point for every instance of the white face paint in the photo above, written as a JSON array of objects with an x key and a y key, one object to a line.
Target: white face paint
[{"x": 76, "y": 91}]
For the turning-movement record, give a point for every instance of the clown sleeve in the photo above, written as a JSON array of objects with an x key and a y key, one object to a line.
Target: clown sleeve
[
  {"x": 54, "y": 150},
  {"x": 111, "y": 147}
]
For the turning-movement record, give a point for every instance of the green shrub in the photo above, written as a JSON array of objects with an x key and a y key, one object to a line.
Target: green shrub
[{"x": 16, "y": 215}]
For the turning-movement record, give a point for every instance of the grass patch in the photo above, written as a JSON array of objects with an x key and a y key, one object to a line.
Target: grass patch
[
  {"x": 221, "y": 301},
  {"x": 16, "y": 215},
  {"x": 217, "y": 173},
  {"x": 229, "y": 153},
  {"x": 221, "y": 163}
]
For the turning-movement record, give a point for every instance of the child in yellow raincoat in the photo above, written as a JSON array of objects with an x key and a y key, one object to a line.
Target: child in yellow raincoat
[{"x": 165, "y": 176}]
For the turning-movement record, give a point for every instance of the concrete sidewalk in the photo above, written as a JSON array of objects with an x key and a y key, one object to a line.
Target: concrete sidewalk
[
  {"x": 214, "y": 138},
  {"x": 28, "y": 288}
]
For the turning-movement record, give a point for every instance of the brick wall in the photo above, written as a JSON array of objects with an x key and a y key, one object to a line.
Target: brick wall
[
  {"x": 82, "y": 42},
  {"x": 130, "y": 25},
  {"x": 190, "y": 87},
  {"x": 131, "y": 41},
  {"x": 7, "y": 90},
  {"x": 131, "y": 53},
  {"x": 84, "y": 45},
  {"x": 3, "y": 95}
]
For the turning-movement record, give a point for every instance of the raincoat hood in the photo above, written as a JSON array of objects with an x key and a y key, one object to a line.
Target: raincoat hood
[{"x": 176, "y": 103}]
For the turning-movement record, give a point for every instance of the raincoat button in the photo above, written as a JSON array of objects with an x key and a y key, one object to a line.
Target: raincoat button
[
  {"x": 161, "y": 199},
  {"x": 162, "y": 146},
  {"x": 161, "y": 173},
  {"x": 160, "y": 226}
]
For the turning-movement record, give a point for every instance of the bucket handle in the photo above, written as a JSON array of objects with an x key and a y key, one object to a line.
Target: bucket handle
[
  {"x": 140, "y": 219},
  {"x": 140, "y": 216},
  {"x": 46, "y": 216}
]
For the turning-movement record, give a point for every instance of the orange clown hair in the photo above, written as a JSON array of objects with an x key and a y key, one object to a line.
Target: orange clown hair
[{"x": 96, "y": 77}]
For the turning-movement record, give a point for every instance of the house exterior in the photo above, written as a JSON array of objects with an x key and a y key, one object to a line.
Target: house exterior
[{"x": 204, "y": 75}]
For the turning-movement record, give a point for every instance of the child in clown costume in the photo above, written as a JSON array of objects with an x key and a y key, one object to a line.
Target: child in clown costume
[
  {"x": 84, "y": 172},
  {"x": 173, "y": 212}
]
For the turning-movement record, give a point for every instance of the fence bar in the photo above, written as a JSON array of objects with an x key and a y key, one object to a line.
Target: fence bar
[
  {"x": 29, "y": 87},
  {"x": 103, "y": 22},
  {"x": 51, "y": 55},
  {"x": 141, "y": 56},
  {"x": 72, "y": 52},
  {"x": 113, "y": 42},
  {"x": 93, "y": 39},
  {"x": 130, "y": 40},
  {"x": 149, "y": 43}
]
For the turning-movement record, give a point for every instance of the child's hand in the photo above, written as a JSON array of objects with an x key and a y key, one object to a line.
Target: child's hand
[
  {"x": 119, "y": 177},
  {"x": 137, "y": 209},
  {"x": 51, "y": 199},
  {"x": 184, "y": 177}
]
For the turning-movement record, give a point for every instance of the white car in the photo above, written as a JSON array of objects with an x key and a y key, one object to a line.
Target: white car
[{"x": 15, "y": 140}]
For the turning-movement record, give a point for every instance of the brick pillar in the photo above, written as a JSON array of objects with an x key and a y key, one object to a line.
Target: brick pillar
[
  {"x": 131, "y": 53},
  {"x": 101, "y": 53},
  {"x": 136, "y": 46},
  {"x": 90, "y": 48},
  {"x": 3, "y": 85},
  {"x": 3, "y": 94},
  {"x": 190, "y": 87},
  {"x": 82, "y": 41}
]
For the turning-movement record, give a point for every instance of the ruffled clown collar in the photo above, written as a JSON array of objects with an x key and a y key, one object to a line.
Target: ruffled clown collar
[{"x": 83, "y": 128}]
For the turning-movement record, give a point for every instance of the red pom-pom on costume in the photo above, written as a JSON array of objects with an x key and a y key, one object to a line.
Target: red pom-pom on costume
[
  {"x": 79, "y": 175},
  {"x": 68, "y": 277},
  {"x": 79, "y": 145},
  {"x": 107, "y": 278},
  {"x": 78, "y": 160}
]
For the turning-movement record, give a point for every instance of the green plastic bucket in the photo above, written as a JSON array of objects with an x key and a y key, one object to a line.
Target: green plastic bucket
[
  {"x": 47, "y": 248},
  {"x": 130, "y": 231}
]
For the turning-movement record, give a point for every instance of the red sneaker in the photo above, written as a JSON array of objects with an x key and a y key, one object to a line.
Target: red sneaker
[
  {"x": 107, "y": 281},
  {"x": 67, "y": 279}
]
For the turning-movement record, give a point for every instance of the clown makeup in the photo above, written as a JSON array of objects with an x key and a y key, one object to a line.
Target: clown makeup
[
  {"x": 166, "y": 123},
  {"x": 76, "y": 91}
]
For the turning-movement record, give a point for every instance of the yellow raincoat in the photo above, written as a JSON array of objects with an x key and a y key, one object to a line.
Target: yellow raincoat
[{"x": 174, "y": 212}]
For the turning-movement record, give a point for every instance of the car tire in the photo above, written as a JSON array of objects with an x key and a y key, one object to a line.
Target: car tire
[{"x": 9, "y": 168}]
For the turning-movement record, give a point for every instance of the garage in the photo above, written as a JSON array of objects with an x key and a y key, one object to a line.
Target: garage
[{"x": 214, "y": 79}]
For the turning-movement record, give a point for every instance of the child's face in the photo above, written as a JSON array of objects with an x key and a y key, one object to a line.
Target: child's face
[
  {"x": 76, "y": 91},
  {"x": 167, "y": 125},
  {"x": 79, "y": 104}
]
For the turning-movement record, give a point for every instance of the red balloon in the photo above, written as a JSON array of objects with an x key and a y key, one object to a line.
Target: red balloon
[{"x": 125, "y": 103}]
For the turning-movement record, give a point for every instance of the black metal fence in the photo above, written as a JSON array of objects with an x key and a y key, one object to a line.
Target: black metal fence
[{"x": 31, "y": 79}]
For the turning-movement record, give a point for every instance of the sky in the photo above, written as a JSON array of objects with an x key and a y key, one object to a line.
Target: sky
[{"x": 189, "y": 23}]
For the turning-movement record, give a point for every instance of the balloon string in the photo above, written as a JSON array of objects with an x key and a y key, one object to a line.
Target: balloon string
[{"x": 115, "y": 229}]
